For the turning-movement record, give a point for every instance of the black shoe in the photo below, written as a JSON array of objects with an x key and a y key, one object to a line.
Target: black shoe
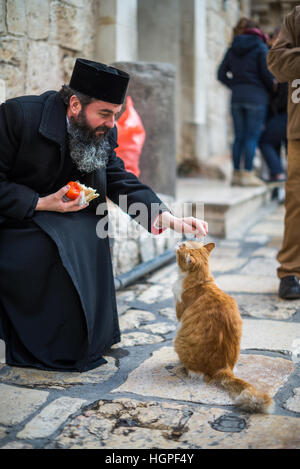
[{"x": 289, "y": 288}]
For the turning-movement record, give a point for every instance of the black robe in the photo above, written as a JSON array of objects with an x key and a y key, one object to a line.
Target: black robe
[{"x": 57, "y": 298}]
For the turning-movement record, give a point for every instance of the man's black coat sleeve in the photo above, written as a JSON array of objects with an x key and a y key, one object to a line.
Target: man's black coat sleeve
[
  {"x": 139, "y": 197},
  {"x": 16, "y": 200}
]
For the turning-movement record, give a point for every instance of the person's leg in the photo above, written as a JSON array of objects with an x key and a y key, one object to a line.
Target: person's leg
[
  {"x": 270, "y": 144},
  {"x": 255, "y": 118},
  {"x": 272, "y": 157},
  {"x": 238, "y": 117},
  {"x": 289, "y": 254}
]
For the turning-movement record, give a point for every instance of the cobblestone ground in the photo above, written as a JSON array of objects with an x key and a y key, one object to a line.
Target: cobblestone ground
[{"x": 142, "y": 398}]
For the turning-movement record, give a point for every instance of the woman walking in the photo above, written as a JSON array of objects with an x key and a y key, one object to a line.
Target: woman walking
[{"x": 245, "y": 72}]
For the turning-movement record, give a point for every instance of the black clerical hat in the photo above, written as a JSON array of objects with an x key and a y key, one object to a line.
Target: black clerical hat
[{"x": 99, "y": 81}]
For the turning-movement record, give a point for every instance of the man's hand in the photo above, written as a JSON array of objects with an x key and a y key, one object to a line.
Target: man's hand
[
  {"x": 54, "y": 202},
  {"x": 192, "y": 225}
]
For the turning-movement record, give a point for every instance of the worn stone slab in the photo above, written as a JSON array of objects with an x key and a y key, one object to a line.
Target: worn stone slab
[
  {"x": 247, "y": 283},
  {"x": 269, "y": 335},
  {"x": 137, "y": 288},
  {"x": 37, "y": 78},
  {"x": 229, "y": 243},
  {"x": 156, "y": 293},
  {"x": 226, "y": 264},
  {"x": 50, "y": 418},
  {"x": 261, "y": 239},
  {"x": 295, "y": 349},
  {"x": 269, "y": 228},
  {"x": 53, "y": 379},
  {"x": 169, "y": 312},
  {"x": 16, "y": 445},
  {"x": 3, "y": 432},
  {"x": 125, "y": 423},
  {"x": 37, "y": 15},
  {"x": 126, "y": 295},
  {"x": 132, "y": 339},
  {"x": 66, "y": 26},
  {"x": 128, "y": 423},
  {"x": 162, "y": 375},
  {"x": 14, "y": 80},
  {"x": 126, "y": 255},
  {"x": 293, "y": 402},
  {"x": 124, "y": 299},
  {"x": 160, "y": 327},
  {"x": 266, "y": 267},
  {"x": 146, "y": 246},
  {"x": 135, "y": 318},
  {"x": 164, "y": 275},
  {"x": 2, "y": 17},
  {"x": 16, "y": 403},
  {"x": 16, "y": 17},
  {"x": 270, "y": 252},
  {"x": 257, "y": 432},
  {"x": 266, "y": 306},
  {"x": 12, "y": 50},
  {"x": 218, "y": 252}
]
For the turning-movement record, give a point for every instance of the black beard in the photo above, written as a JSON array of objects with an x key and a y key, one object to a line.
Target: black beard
[{"x": 87, "y": 150}]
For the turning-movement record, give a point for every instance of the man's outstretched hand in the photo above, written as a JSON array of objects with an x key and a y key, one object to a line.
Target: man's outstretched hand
[{"x": 187, "y": 225}]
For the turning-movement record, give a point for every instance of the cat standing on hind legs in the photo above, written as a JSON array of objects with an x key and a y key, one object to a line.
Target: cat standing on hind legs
[{"x": 208, "y": 340}]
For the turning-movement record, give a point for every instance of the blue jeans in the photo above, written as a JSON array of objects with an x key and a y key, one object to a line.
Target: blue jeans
[
  {"x": 271, "y": 140},
  {"x": 248, "y": 120}
]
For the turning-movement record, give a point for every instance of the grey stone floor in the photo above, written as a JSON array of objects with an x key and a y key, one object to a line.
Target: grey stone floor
[{"x": 142, "y": 398}]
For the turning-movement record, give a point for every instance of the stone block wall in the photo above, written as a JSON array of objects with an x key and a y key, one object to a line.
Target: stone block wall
[
  {"x": 131, "y": 244},
  {"x": 39, "y": 40}
]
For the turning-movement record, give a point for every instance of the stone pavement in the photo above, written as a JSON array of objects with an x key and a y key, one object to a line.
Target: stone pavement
[{"x": 142, "y": 398}]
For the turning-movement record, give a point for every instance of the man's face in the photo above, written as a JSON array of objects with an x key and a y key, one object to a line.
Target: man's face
[{"x": 97, "y": 118}]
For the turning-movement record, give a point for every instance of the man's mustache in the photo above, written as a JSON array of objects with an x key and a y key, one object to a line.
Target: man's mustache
[{"x": 102, "y": 128}]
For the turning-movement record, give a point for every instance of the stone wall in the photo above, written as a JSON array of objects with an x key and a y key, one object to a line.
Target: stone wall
[
  {"x": 270, "y": 13},
  {"x": 39, "y": 40},
  {"x": 116, "y": 31},
  {"x": 131, "y": 244}
]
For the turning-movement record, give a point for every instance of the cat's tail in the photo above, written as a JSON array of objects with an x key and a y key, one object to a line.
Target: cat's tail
[{"x": 243, "y": 393}]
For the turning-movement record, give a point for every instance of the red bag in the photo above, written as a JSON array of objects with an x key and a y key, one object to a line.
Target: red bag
[{"x": 131, "y": 137}]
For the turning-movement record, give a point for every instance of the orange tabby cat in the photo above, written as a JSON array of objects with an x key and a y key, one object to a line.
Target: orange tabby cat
[{"x": 208, "y": 340}]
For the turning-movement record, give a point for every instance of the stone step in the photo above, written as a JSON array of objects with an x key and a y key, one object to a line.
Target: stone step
[{"x": 225, "y": 208}]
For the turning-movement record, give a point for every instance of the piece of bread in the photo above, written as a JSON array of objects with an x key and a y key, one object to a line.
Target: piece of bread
[{"x": 89, "y": 192}]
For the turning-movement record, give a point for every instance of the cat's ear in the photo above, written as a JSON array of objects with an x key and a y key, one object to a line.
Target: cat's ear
[{"x": 209, "y": 247}]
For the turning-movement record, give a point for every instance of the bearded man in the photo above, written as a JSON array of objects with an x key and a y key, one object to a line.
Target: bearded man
[{"x": 57, "y": 298}]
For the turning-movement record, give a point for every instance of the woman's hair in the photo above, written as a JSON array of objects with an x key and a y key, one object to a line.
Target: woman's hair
[
  {"x": 66, "y": 92},
  {"x": 242, "y": 24}
]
